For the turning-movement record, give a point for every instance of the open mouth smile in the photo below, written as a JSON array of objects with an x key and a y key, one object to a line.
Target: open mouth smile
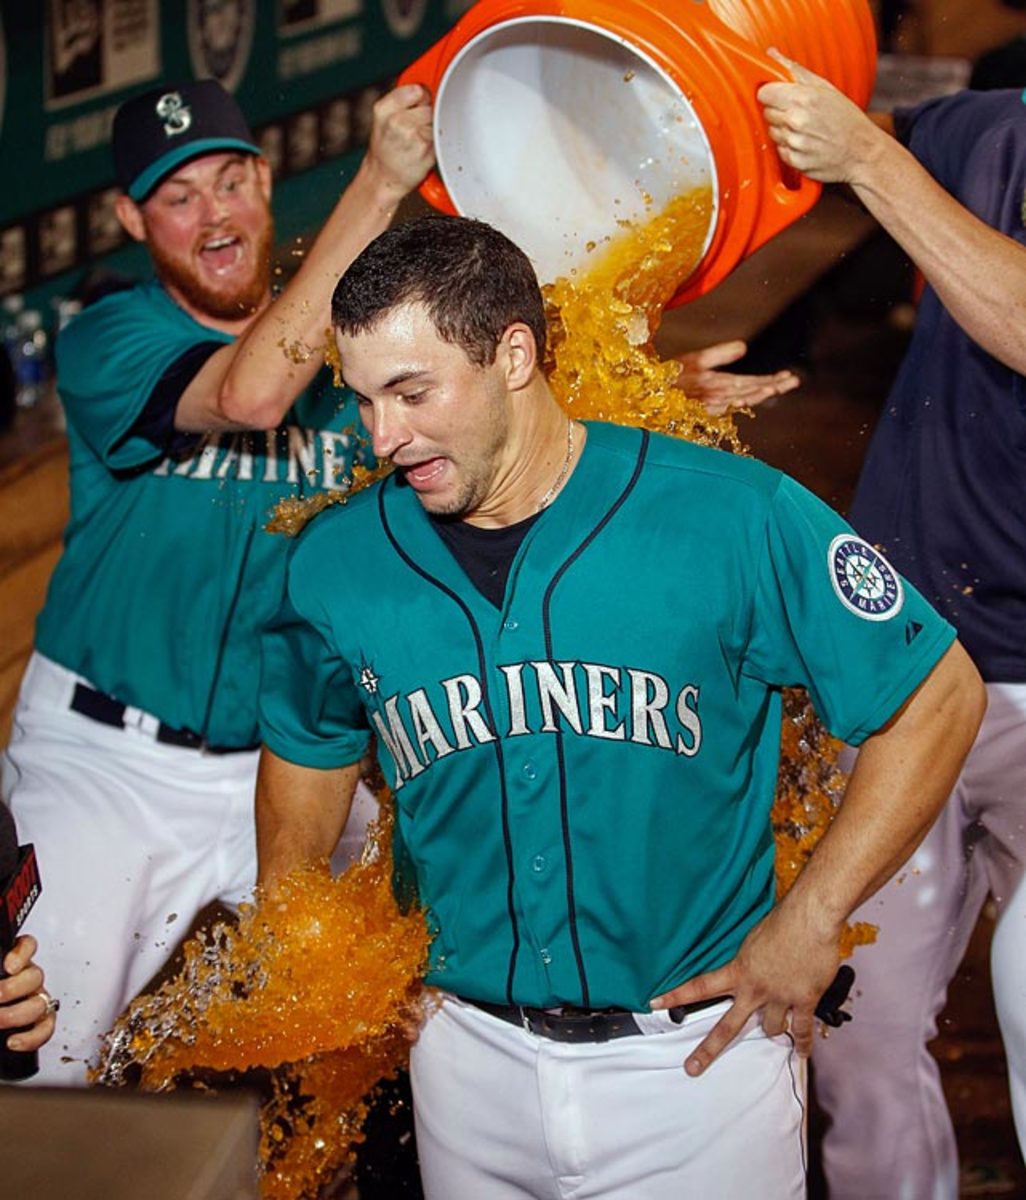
[
  {"x": 222, "y": 254},
  {"x": 423, "y": 474}
]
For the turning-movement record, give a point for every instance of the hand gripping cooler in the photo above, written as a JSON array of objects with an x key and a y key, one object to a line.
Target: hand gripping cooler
[{"x": 555, "y": 119}]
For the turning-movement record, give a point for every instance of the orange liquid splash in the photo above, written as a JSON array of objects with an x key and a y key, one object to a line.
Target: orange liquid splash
[
  {"x": 319, "y": 983},
  {"x": 601, "y": 363}
]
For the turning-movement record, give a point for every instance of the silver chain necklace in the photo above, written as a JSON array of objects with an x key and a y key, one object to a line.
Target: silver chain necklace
[{"x": 550, "y": 494}]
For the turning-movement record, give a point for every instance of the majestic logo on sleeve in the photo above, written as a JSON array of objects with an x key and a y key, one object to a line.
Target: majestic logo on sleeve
[
  {"x": 863, "y": 579},
  {"x": 574, "y": 698}
]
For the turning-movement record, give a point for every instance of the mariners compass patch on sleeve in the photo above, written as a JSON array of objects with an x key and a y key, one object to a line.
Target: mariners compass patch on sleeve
[
  {"x": 368, "y": 679},
  {"x": 863, "y": 579}
]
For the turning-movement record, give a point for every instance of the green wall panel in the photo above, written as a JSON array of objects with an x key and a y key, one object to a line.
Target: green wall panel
[{"x": 304, "y": 71}]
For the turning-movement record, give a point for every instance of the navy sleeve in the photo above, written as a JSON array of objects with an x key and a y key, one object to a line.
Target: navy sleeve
[
  {"x": 156, "y": 422},
  {"x": 945, "y": 134}
]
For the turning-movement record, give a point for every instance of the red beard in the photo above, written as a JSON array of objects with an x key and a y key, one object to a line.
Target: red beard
[{"x": 244, "y": 299}]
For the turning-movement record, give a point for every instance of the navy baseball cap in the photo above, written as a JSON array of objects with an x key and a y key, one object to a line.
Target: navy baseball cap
[{"x": 159, "y": 130}]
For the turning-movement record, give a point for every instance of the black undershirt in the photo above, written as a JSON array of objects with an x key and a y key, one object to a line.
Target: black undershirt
[{"x": 485, "y": 555}]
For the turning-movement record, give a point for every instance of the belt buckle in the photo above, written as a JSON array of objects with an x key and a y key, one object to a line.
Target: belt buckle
[
  {"x": 575, "y": 1024},
  {"x": 600, "y": 1027},
  {"x": 599, "y": 1023}
]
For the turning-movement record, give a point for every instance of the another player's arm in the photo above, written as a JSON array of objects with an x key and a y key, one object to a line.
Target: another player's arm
[
  {"x": 702, "y": 378},
  {"x": 902, "y": 777},
  {"x": 252, "y": 383},
  {"x": 300, "y": 813},
  {"x": 978, "y": 273}
]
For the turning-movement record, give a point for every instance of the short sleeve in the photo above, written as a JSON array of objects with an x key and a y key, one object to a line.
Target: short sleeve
[
  {"x": 156, "y": 422},
  {"x": 831, "y": 615},
  {"x": 946, "y": 133},
  {"x": 310, "y": 711},
  {"x": 111, "y": 360}
]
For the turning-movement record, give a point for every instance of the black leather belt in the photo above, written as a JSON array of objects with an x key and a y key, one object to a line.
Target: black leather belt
[
  {"x": 571, "y": 1024},
  {"x": 98, "y": 706}
]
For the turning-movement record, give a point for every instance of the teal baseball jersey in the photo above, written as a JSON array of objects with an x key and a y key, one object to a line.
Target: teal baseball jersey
[
  {"x": 167, "y": 575},
  {"x": 584, "y": 776}
]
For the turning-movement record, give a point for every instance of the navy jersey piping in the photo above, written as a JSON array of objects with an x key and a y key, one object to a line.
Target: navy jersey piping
[
  {"x": 564, "y": 809},
  {"x": 507, "y": 840}
]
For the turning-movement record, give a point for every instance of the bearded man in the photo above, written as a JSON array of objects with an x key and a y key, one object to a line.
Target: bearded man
[{"x": 193, "y": 405}]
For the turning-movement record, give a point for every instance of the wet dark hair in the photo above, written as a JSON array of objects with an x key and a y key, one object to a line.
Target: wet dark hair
[{"x": 473, "y": 281}]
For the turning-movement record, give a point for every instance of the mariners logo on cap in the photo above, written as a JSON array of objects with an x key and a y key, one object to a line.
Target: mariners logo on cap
[
  {"x": 177, "y": 117},
  {"x": 863, "y": 579}
]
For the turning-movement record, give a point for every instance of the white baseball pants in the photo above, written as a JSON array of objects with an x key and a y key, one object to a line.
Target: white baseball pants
[
  {"x": 891, "y": 1136},
  {"x": 134, "y": 838},
  {"x": 504, "y": 1115}
]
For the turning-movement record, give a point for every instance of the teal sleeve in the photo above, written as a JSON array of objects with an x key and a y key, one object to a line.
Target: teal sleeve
[
  {"x": 110, "y": 359},
  {"x": 310, "y": 710},
  {"x": 805, "y": 631}
]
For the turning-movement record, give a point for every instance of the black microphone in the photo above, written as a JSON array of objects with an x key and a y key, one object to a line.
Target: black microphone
[
  {"x": 19, "y": 887},
  {"x": 829, "y": 1008}
]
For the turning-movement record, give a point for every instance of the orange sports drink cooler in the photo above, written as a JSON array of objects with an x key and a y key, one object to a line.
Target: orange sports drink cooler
[{"x": 557, "y": 119}]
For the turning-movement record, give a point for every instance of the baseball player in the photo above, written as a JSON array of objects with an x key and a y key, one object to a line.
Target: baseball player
[
  {"x": 941, "y": 490},
  {"x": 568, "y": 641},
  {"x": 193, "y": 404}
]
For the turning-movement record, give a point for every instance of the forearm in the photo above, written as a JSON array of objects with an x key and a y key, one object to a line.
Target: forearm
[
  {"x": 300, "y": 814},
  {"x": 278, "y": 356},
  {"x": 901, "y": 780},
  {"x": 902, "y": 777},
  {"x": 252, "y": 383},
  {"x": 978, "y": 273}
]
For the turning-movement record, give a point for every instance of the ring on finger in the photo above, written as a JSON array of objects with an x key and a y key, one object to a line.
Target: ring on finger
[{"x": 52, "y": 1003}]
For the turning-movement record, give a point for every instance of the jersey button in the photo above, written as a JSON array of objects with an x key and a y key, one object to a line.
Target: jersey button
[
  {"x": 530, "y": 771},
  {"x": 510, "y": 624},
  {"x": 538, "y": 863}
]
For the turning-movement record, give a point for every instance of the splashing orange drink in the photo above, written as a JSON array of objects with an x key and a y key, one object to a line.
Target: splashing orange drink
[{"x": 319, "y": 984}]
